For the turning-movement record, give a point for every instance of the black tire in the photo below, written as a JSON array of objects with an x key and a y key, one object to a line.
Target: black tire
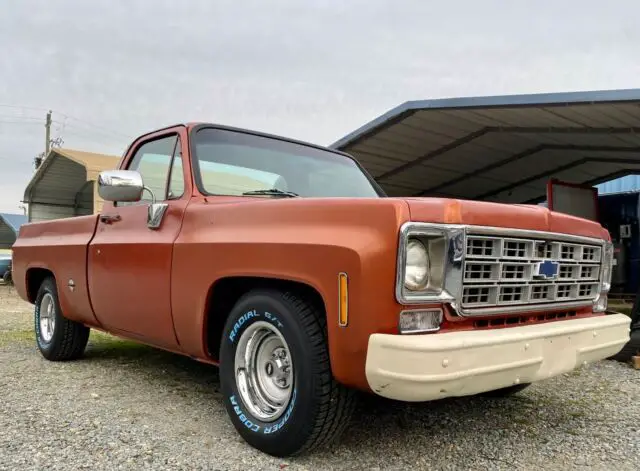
[
  {"x": 69, "y": 338},
  {"x": 631, "y": 348},
  {"x": 319, "y": 408},
  {"x": 505, "y": 392}
]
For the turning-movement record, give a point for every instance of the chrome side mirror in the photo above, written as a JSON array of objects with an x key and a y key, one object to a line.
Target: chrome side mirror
[
  {"x": 128, "y": 186},
  {"x": 120, "y": 185}
]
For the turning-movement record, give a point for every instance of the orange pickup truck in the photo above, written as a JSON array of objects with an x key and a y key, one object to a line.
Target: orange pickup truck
[{"x": 286, "y": 264}]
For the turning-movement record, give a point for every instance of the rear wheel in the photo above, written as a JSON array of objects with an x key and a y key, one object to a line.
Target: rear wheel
[
  {"x": 58, "y": 338},
  {"x": 275, "y": 374}
]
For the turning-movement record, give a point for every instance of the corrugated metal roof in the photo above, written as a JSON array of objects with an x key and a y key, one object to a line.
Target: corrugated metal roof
[
  {"x": 9, "y": 227},
  {"x": 93, "y": 162},
  {"x": 14, "y": 221},
  {"x": 628, "y": 184},
  {"x": 501, "y": 148}
]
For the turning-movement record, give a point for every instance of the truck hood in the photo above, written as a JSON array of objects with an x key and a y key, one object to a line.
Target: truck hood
[{"x": 516, "y": 216}]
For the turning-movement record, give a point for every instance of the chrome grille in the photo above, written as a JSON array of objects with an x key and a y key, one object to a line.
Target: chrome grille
[{"x": 508, "y": 271}]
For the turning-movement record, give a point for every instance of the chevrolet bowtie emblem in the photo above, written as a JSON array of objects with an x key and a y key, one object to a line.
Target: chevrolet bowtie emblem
[{"x": 546, "y": 270}]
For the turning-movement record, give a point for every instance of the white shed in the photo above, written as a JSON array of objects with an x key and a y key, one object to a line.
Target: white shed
[{"x": 64, "y": 184}]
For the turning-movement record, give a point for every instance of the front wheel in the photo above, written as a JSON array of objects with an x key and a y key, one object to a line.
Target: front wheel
[
  {"x": 275, "y": 374},
  {"x": 631, "y": 348},
  {"x": 58, "y": 338}
]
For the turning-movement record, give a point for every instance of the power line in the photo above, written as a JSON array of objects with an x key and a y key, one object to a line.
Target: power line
[
  {"x": 67, "y": 116},
  {"x": 84, "y": 121},
  {"x": 21, "y": 122},
  {"x": 35, "y": 108},
  {"x": 93, "y": 130},
  {"x": 13, "y": 116}
]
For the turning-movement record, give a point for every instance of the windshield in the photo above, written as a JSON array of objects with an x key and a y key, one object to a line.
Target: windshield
[{"x": 234, "y": 163}]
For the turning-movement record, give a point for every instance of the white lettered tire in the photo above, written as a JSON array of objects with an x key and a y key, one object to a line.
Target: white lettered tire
[
  {"x": 58, "y": 338},
  {"x": 275, "y": 374}
]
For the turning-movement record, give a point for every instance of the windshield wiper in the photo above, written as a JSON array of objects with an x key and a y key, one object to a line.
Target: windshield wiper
[{"x": 273, "y": 192}]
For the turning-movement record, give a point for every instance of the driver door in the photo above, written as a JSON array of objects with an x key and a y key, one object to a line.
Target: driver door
[{"x": 129, "y": 260}]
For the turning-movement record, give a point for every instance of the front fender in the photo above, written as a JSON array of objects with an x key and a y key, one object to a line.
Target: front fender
[{"x": 303, "y": 243}]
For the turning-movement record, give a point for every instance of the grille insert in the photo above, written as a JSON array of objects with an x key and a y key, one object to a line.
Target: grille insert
[{"x": 513, "y": 271}]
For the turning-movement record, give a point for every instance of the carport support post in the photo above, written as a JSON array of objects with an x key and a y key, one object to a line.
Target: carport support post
[{"x": 635, "y": 312}]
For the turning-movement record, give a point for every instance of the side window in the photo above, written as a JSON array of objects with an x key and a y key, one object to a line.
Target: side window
[
  {"x": 153, "y": 161},
  {"x": 176, "y": 179}
]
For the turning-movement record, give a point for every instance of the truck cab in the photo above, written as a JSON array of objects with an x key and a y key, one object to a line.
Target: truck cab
[{"x": 286, "y": 265}]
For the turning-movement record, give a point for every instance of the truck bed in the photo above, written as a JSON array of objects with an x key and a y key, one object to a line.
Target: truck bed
[{"x": 57, "y": 247}]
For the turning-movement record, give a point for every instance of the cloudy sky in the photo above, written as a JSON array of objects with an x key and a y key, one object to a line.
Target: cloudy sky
[{"x": 312, "y": 70}]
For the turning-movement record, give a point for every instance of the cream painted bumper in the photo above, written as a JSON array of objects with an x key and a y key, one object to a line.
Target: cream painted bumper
[{"x": 434, "y": 366}]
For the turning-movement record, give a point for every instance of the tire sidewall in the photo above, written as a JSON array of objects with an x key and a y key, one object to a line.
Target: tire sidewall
[
  {"x": 47, "y": 287},
  {"x": 290, "y": 431}
]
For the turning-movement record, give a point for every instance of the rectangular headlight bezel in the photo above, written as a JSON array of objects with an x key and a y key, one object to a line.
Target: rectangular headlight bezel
[
  {"x": 607, "y": 267},
  {"x": 444, "y": 244}
]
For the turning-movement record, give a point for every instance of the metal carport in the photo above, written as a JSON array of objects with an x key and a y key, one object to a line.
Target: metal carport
[
  {"x": 9, "y": 227},
  {"x": 63, "y": 185},
  {"x": 500, "y": 148}
]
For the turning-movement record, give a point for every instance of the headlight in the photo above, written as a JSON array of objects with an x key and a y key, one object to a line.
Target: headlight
[
  {"x": 429, "y": 257},
  {"x": 416, "y": 275},
  {"x": 607, "y": 267},
  {"x": 605, "y": 278}
]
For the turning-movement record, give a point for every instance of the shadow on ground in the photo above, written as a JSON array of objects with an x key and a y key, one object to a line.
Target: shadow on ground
[{"x": 376, "y": 418}]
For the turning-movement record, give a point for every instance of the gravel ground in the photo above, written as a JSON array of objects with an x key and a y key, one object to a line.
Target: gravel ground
[{"x": 127, "y": 406}]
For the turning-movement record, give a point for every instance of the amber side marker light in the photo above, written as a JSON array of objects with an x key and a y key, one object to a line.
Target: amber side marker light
[{"x": 343, "y": 300}]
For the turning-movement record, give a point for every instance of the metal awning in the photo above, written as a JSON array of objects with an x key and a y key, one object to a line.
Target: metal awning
[
  {"x": 63, "y": 184},
  {"x": 63, "y": 173},
  {"x": 500, "y": 148}
]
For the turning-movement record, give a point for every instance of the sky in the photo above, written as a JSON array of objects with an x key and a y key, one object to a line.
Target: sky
[{"x": 311, "y": 70}]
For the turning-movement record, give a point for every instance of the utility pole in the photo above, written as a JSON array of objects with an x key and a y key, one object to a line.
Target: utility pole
[{"x": 47, "y": 127}]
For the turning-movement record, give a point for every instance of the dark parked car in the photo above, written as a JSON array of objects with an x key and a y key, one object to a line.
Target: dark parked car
[{"x": 5, "y": 268}]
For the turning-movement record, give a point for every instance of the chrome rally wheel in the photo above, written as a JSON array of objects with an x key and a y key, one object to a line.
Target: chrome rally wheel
[
  {"x": 264, "y": 371},
  {"x": 47, "y": 318},
  {"x": 58, "y": 338},
  {"x": 275, "y": 374}
]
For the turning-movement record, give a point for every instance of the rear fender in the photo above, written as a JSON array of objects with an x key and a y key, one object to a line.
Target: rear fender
[{"x": 59, "y": 246}]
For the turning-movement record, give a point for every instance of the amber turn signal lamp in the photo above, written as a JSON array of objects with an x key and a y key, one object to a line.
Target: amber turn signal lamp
[{"x": 343, "y": 300}]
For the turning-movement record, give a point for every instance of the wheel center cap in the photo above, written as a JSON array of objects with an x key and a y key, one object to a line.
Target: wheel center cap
[{"x": 269, "y": 368}]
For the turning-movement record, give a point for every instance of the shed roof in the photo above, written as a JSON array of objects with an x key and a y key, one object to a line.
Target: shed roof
[
  {"x": 9, "y": 227},
  {"x": 628, "y": 184},
  {"x": 500, "y": 148},
  {"x": 13, "y": 221}
]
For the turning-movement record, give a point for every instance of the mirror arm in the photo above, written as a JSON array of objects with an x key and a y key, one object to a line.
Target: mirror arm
[{"x": 153, "y": 197}]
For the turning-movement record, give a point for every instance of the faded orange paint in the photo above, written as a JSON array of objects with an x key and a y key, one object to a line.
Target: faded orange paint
[
  {"x": 152, "y": 286},
  {"x": 59, "y": 246}
]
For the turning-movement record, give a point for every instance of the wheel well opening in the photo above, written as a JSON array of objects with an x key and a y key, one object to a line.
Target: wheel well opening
[
  {"x": 34, "y": 278},
  {"x": 224, "y": 294}
]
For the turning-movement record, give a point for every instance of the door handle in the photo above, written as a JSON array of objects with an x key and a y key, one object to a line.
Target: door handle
[{"x": 110, "y": 218}]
